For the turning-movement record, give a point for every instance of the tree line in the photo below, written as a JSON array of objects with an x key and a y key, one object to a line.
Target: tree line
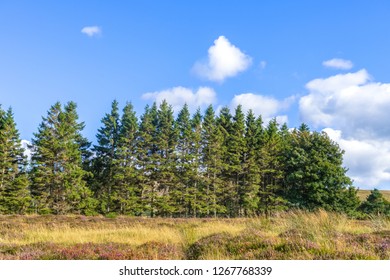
[{"x": 225, "y": 164}]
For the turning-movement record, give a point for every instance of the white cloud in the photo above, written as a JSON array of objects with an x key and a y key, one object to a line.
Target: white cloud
[
  {"x": 178, "y": 96},
  {"x": 355, "y": 112},
  {"x": 265, "y": 106},
  {"x": 368, "y": 161},
  {"x": 348, "y": 102},
  {"x": 263, "y": 64},
  {"x": 91, "y": 31},
  {"x": 224, "y": 60},
  {"x": 338, "y": 63}
]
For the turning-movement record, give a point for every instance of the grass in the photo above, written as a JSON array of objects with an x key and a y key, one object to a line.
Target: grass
[{"x": 293, "y": 235}]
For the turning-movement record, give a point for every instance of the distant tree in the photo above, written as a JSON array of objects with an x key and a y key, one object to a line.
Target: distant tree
[
  {"x": 58, "y": 179},
  {"x": 375, "y": 204},
  {"x": 14, "y": 194}
]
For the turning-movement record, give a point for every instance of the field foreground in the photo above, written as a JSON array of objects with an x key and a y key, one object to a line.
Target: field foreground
[{"x": 297, "y": 235}]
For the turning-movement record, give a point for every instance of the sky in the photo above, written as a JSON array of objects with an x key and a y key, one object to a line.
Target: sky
[{"x": 324, "y": 63}]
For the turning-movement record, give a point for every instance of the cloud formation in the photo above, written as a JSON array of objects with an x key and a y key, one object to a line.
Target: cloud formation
[
  {"x": 224, "y": 60},
  {"x": 338, "y": 63},
  {"x": 354, "y": 111},
  {"x": 348, "y": 102},
  {"x": 91, "y": 31},
  {"x": 178, "y": 96},
  {"x": 368, "y": 161},
  {"x": 265, "y": 106}
]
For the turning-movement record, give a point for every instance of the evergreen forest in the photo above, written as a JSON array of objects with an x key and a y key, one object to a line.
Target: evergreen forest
[{"x": 206, "y": 164}]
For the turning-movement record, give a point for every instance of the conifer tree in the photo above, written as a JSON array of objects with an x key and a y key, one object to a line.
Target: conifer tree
[
  {"x": 236, "y": 153},
  {"x": 315, "y": 176},
  {"x": 212, "y": 142},
  {"x": 184, "y": 166},
  {"x": 146, "y": 160},
  {"x": 103, "y": 165},
  {"x": 14, "y": 193},
  {"x": 197, "y": 196},
  {"x": 271, "y": 170},
  {"x": 126, "y": 190},
  {"x": 58, "y": 184},
  {"x": 166, "y": 137},
  {"x": 251, "y": 168}
]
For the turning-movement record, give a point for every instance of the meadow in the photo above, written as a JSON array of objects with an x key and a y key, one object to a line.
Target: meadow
[{"x": 291, "y": 235}]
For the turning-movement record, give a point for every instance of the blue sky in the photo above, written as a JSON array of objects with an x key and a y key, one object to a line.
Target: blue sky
[{"x": 325, "y": 63}]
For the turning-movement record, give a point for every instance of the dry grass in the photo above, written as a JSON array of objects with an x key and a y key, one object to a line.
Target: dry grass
[{"x": 293, "y": 235}]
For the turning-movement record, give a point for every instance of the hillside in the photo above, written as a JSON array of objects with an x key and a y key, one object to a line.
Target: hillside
[{"x": 362, "y": 194}]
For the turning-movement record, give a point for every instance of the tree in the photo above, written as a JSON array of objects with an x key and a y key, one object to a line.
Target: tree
[
  {"x": 126, "y": 191},
  {"x": 271, "y": 170},
  {"x": 14, "y": 194},
  {"x": 105, "y": 158},
  {"x": 315, "y": 177},
  {"x": 184, "y": 193},
  {"x": 212, "y": 143},
  {"x": 249, "y": 197},
  {"x": 375, "y": 204},
  {"x": 146, "y": 155},
  {"x": 166, "y": 137},
  {"x": 58, "y": 184},
  {"x": 235, "y": 156}
]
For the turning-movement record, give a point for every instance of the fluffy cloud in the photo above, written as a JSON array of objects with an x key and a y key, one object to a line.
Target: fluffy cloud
[
  {"x": 178, "y": 96},
  {"x": 355, "y": 112},
  {"x": 368, "y": 161},
  {"x": 224, "y": 60},
  {"x": 265, "y": 106},
  {"x": 91, "y": 31},
  {"x": 338, "y": 63},
  {"x": 348, "y": 102}
]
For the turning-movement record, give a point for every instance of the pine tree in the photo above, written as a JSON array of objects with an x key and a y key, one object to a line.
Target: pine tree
[
  {"x": 146, "y": 160},
  {"x": 375, "y": 204},
  {"x": 212, "y": 142},
  {"x": 105, "y": 159},
  {"x": 126, "y": 190},
  {"x": 236, "y": 154},
  {"x": 14, "y": 193},
  {"x": 271, "y": 170},
  {"x": 251, "y": 169},
  {"x": 196, "y": 194},
  {"x": 166, "y": 137},
  {"x": 58, "y": 184},
  {"x": 184, "y": 167}
]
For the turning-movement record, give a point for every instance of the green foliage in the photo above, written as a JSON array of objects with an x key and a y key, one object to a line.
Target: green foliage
[
  {"x": 14, "y": 194},
  {"x": 375, "y": 204},
  {"x": 315, "y": 177},
  {"x": 200, "y": 166},
  {"x": 57, "y": 176}
]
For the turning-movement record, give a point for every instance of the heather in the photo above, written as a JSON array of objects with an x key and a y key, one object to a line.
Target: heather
[{"x": 303, "y": 235}]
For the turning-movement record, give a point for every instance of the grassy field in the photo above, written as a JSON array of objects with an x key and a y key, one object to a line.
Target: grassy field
[
  {"x": 295, "y": 235},
  {"x": 362, "y": 194}
]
